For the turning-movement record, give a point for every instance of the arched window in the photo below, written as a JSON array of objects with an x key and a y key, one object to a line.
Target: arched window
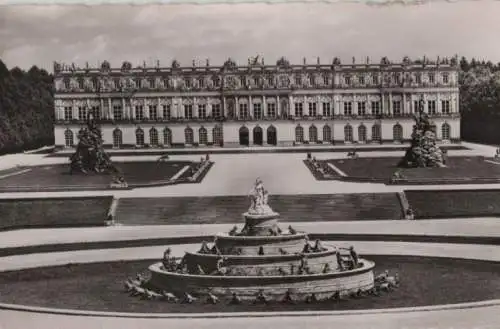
[
  {"x": 203, "y": 136},
  {"x": 188, "y": 135},
  {"x": 167, "y": 137},
  {"x": 376, "y": 133},
  {"x": 139, "y": 137},
  {"x": 397, "y": 133},
  {"x": 348, "y": 134},
  {"x": 299, "y": 134},
  {"x": 117, "y": 138},
  {"x": 69, "y": 140},
  {"x": 445, "y": 131},
  {"x": 313, "y": 134},
  {"x": 217, "y": 135},
  {"x": 362, "y": 133},
  {"x": 153, "y": 137},
  {"x": 327, "y": 134}
]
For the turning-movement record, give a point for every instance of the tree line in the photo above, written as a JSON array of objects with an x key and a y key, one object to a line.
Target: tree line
[{"x": 27, "y": 105}]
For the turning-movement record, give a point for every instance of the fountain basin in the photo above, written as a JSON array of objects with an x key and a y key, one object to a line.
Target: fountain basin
[{"x": 250, "y": 245}]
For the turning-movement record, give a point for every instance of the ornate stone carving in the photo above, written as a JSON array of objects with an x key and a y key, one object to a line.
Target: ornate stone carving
[
  {"x": 175, "y": 64},
  {"x": 105, "y": 66},
  {"x": 283, "y": 63},
  {"x": 126, "y": 66},
  {"x": 229, "y": 65}
]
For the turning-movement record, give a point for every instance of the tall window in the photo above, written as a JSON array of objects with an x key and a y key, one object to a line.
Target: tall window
[
  {"x": 166, "y": 83},
  {"x": 271, "y": 110},
  {"x": 188, "y": 111},
  {"x": 67, "y": 84},
  {"x": 117, "y": 112},
  {"x": 68, "y": 113},
  {"x": 203, "y": 136},
  {"x": 188, "y": 135},
  {"x": 347, "y": 80},
  {"x": 445, "y": 131},
  {"x": 218, "y": 135},
  {"x": 257, "y": 111},
  {"x": 152, "y": 83},
  {"x": 376, "y": 133},
  {"x": 298, "y": 80},
  {"x": 96, "y": 112},
  {"x": 139, "y": 112},
  {"x": 243, "y": 81},
  {"x": 312, "y": 81},
  {"x": 68, "y": 138},
  {"x": 243, "y": 111},
  {"x": 216, "y": 82},
  {"x": 375, "y": 79},
  {"x": 326, "y": 80},
  {"x": 81, "y": 84},
  {"x": 362, "y": 133},
  {"x": 201, "y": 83},
  {"x": 327, "y": 133},
  {"x": 138, "y": 83},
  {"x": 82, "y": 113},
  {"x": 216, "y": 111},
  {"x": 187, "y": 83},
  {"x": 299, "y": 110},
  {"x": 396, "y": 107},
  {"x": 361, "y": 108},
  {"x": 397, "y": 132},
  {"x": 167, "y": 112},
  {"x": 313, "y": 134},
  {"x": 167, "y": 137},
  {"x": 153, "y": 112},
  {"x": 418, "y": 78},
  {"x": 117, "y": 138},
  {"x": 361, "y": 79},
  {"x": 376, "y": 108},
  {"x": 153, "y": 137},
  {"x": 299, "y": 134},
  {"x": 202, "y": 111},
  {"x": 327, "y": 109},
  {"x": 431, "y": 78},
  {"x": 312, "y": 110},
  {"x": 348, "y": 136},
  {"x": 431, "y": 107},
  {"x": 416, "y": 106},
  {"x": 139, "y": 137},
  {"x": 445, "y": 107},
  {"x": 347, "y": 108}
]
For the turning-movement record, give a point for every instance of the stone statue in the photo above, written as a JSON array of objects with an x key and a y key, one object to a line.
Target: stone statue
[{"x": 259, "y": 197}]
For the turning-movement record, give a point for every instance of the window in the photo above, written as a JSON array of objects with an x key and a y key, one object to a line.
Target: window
[
  {"x": 416, "y": 106},
  {"x": 188, "y": 111},
  {"x": 166, "y": 83},
  {"x": 445, "y": 107},
  {"x": 376, "y": 133},
  {"x": 68, "y": 138},
  {"x": 257, "y": 111},
  {"x": 167, "y": 112},
  {"x": 347, "y": 108},
  {"x": 270, "y": 80},
  {"x": 431, "y": 77},
  {"x": 256, "y": 81},
  {"x": 299, "y": 134},
  {"x": 117, "y": 112},
  {"x": 398, "y": 78},
  {"x": 313, "y": 134},
  {"x": 312, "y": 109},
  {"x": 202, "y": 111},
  {"x": 139, "y": 137},
  {"x": 82, "y": 113},
  {"x": 362, "y": 79},
  {"x": 362, "y": 133},
  {"x": 188, "y": 135},
  {"x": 375, "y": 79},
  {"x": 117, "y": 83},
  {"x": 216, "y": 111},
  {"x": 153, "y": 112},
  {"x": 201, "y": 83},
  {"x": 312, "y": 81},
  {"x": 446, "y": 78},
  {"x": 327, "y": 109},
  {"x": 397, "y": 132},
  {"x": 243, "y": 111},
  {"x": 327, "y": 133},
  {"x": 139, "y": 112},
  {"x": 67, "y": 84},
  {"x": 152, "y": 83},
  {"x": 348, "y": 134},
  {"x": 243, "y": 81},
  {"x": 376, "y": 108},
  {"x": 203, "y": 136},
  {"x": 153, "y": 137},
  {"x": 138, "y": 83},
  {"x": 347, "y": 80},
  {"x": 81, "y": 84},
  {"x": 326, "y": 80},
  {"x": 187, "y": 83},
  {"x": 396, "y": 107},
  {"x": 299, "y": 110},
  {"x": 418, "y": 78},
  {"x": 216, "y": 81},
  {"x": 117, "y": 138},
  {"x": 361, "y": 108},
  {"x": 96, "y": 113},
  {"x": 271, "y": 110},
  {"x": 218, "y": 135},
  {"x": 298, "y": 80},
  {"x": 431, "y": 107},
  {"x": 68, "y": 113},
  {"x": 445, "y": 131},
  {"x": 167, "y": 137}
]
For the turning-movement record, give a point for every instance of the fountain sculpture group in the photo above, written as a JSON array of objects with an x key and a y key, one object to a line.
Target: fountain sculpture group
[{"x": 264, "y": 261}]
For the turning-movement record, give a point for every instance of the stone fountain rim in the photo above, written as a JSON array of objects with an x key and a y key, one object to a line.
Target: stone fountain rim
[
  {"x": 226, "y": 236},
  {"x": 286, "y": 256}
]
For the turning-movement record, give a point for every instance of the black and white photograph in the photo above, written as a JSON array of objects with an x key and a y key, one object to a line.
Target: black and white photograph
[{"x": 250, "y": 165}]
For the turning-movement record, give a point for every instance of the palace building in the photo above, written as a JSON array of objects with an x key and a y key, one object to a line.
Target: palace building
[{"x": 256, "y": 104}]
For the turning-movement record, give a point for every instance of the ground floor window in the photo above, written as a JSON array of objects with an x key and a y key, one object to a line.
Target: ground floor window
[
  {"x": 203, "y": 136},
  {"x": 397, "y": 132},
  {"x": 218, "y": 136},
  {"x": 139, "y": 137},
  {"x": 167, "y": 137},
  {"x": 69, "y": 139},
  {"x": 362, "y": 133},
  {"x": 313, "y": 134},
  {"x": 445, "y": 131},
  {"x": 299, "y": 134},
  {"x": 348, "y": 136},
  {"x": 188, "y": 135},
  {"x": 117, "y": 138},
  {"x": 376, "y": 133},
  {"x": 327, "y": 133},
  {"x": 153, "y": 137}
]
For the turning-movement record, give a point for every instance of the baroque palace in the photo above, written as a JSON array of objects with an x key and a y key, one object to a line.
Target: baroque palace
[{"x": 257, "y": 104}]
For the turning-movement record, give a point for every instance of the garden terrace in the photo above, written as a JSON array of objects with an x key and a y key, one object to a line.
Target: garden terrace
[{"x": 53, "y": 212}]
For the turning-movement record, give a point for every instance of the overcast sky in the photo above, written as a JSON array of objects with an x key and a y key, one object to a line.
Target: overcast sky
[{"x": 41, "y": 34}]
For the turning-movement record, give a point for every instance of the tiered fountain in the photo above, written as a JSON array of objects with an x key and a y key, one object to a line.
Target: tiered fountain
[{"x": 263, "y": 259}]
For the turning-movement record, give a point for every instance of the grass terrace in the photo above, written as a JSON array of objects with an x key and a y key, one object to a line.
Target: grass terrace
[{"x": 53, "y": 212}]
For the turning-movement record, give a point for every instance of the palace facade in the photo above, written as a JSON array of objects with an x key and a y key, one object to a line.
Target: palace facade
[{"x": 257, "y": 104}]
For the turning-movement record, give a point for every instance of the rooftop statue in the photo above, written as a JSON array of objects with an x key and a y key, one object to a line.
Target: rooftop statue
[{"x": 259, "y": 198}]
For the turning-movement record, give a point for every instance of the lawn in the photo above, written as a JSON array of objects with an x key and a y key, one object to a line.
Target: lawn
[
  {"x": 99, "y": 287},
  {"x": 58, "y": 177}
]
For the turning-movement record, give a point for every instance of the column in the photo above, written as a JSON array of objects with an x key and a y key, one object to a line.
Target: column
[
  {"x": 382, "y": 103},
  {"x": 305, "y": 109},
  {"x": 124, "y": 109},
  {"x": 110, "y": 112},
  {"x": 223, "y": 107},
  {"x": 146, "y": 106},
  {"x": 439, "y": 109},
  {"x": 278, "y": 107},
  {"x": 264, "y": 106},
  {"x": 74, "y": 109},
  {"x": 390, "y": 110},
  {"x": 132, "y": 108},
  {"x": 159, "y": 108},
  {"x": 250, "y": 107},
  {"x": 101, "y": 108},
  {"x": 236, "y": 107}
]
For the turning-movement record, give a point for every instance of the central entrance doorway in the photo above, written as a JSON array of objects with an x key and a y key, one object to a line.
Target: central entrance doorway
[
  {"x": 271, "y": 136},
  {"x": 257, "y": 136},
  {"x": 244, "y": 136}
]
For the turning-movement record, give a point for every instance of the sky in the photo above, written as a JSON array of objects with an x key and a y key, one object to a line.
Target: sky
[{"x": 39, "y": 35}]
